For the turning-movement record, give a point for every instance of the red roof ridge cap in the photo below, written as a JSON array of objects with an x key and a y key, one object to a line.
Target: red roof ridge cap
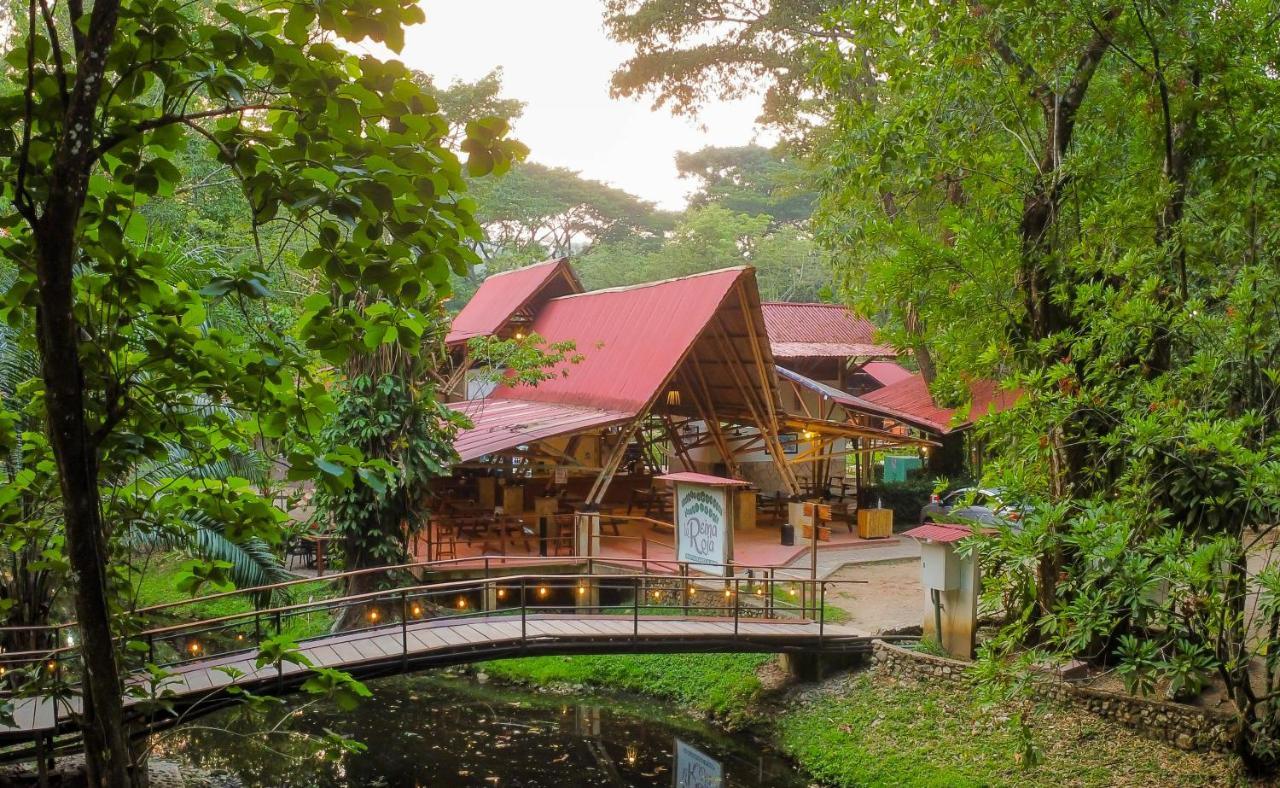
[
  {"x": 641, "y": 285},
  {"x": 529, "y": 267}
]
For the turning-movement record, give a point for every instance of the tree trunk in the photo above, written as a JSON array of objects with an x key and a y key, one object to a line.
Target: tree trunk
[
  {"x": 107, "y": 756},
  {"x": 106, "y": 743}
]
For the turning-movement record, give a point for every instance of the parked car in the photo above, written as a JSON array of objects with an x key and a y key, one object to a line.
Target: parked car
[{"x": 971, "y": 505}]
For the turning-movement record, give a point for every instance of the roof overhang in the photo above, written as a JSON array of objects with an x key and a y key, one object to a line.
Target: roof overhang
[
  {"x": 500, "y": 424},
  {"x": 828, "y": 350}
]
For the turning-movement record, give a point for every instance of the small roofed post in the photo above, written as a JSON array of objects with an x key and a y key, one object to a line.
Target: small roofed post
[
  {"x": 704, "y": 521},
  {"x": 951, "y": 586}
]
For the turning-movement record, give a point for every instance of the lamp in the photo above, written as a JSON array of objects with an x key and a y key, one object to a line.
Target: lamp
[{"x": 673, "y": 397}]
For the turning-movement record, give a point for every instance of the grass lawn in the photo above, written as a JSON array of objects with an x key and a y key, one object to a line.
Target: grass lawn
[
  {"x": 719, "y": 684},
  {"x": 878, "y": 732},
  {"x": 157, "y": 585}
]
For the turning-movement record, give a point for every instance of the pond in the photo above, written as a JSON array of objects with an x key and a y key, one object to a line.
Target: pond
[{"x": 433, "y": 730}]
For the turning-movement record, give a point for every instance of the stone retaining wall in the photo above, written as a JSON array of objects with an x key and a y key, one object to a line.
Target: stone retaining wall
[{"x": 1186, "y": 727}]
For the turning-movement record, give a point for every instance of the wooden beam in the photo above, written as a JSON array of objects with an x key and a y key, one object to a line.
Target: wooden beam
[
  {"x": 706, "y": 409},
  {"x": 772, "y": 444}
]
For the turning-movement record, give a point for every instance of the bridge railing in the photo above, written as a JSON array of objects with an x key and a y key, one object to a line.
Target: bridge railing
[{"x": 391, "y": 612}]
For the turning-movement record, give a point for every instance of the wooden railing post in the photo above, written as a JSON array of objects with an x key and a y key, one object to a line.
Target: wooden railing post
[
  {"x": 524, "y": 601},
  {"x": 635, "y": 606}
]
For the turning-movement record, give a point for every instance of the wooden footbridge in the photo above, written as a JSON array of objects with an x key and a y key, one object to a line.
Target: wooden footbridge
[{"x": 183, "y": 670}]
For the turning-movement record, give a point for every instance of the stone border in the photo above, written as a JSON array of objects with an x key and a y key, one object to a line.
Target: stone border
[{"x": 1186, "y": 727}]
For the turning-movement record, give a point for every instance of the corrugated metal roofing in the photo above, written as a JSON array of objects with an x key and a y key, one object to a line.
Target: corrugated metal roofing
[
  {"x": 631, "y": 339},
  {"x": 886, "y": 372},
  {"x": 701, "y": 478},
  {"x": 911, "y": 400},
  {"x": 503, "y": 424},
  {"x": 811, "y": 330},
  {"x": 502, "y": 295},
  {"x": 939, "y": 533},
  {"x": 826, "y": 350}
]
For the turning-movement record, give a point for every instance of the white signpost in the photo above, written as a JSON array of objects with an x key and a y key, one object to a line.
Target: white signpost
[
  {"x": 704, "y": 521},
  {"x": 696, "y": 769}
]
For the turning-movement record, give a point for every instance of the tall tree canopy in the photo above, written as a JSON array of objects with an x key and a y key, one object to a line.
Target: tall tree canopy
[
  {"x": 690, "y": 51},
  {"x": 750, "y": 179},
  {"x": 341, "y": 160},
  {"x": 1081, "y": 195}
]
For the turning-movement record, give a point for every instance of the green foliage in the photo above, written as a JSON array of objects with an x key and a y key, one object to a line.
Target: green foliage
[
  {"x": 409, "y": 435},
  {"x": 750, "y": 179},
  {"x": 687, "y": 52},
  {"x": 525, "y": 360},
  {"x": 906, "y": 499},
  {"x": 788, "y": 266},
  {"x": 721, "y": 684}
]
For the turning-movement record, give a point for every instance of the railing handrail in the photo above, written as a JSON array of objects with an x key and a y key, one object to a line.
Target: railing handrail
[
  {"x": 444, "y": 587},
  {"x": 333, "y": 577}
]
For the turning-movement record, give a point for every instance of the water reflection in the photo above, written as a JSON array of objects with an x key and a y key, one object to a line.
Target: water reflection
[{"x": 423, "y": 730}]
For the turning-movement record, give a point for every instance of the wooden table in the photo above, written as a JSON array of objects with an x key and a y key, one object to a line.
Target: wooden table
[{"x": 321, "y": 542}]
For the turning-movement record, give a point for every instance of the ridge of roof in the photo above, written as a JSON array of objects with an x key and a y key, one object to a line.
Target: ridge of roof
[{"x": 739, "y": 269}]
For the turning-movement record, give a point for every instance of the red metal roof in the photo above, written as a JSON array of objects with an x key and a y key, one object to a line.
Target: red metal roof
[
  {"x": 886, "y": 372},
  {"x": 504, "y": 294},
  {"x": 631, "y": 339},
  {"x": 935, "y": 532},
  {"x": 910, "y": 400},
  {"x": 503, "y": 424},
  {"x": 689, "y": 477},
  {"x": 810, "y": 330}
]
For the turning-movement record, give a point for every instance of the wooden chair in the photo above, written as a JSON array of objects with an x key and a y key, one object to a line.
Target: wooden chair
[
  {"x": 563, "y": 536},
  {"x": 446, "y": 539}
]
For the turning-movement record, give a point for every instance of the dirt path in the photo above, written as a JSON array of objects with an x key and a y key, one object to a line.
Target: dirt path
[{"x": 892, "y": 597}]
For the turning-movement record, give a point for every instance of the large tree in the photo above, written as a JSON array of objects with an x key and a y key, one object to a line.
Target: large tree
[
  {"x": 345, "y": 151},
  {"x": 1080, "y": 195},
  {"x": 687, "y": 52}
]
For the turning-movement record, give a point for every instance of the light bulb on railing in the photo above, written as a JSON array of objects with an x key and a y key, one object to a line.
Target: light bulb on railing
[
  {"x": 502, "y": 593},
  {"x": 582, "y": 590},
  {"x": 374, "y": 615},
  {"x": 416, "y": 610},
  {"x": 543, "y": 590},
  {"x": 462, "y": 603}
]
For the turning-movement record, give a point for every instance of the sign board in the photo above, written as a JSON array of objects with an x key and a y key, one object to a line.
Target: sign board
[
  {"x": 704, "y": 532},
  {"x": 562, "y": 476},
  {"x": 696, "y": 769}
]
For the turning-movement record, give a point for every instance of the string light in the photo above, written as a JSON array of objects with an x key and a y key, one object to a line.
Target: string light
[
  {"x": 53, "y": 665},
  {"x": 374, "y": 615},
  {"x": 416, "y": 609},
  {"x": 582, "y": 590},
  {"x": 462, "y": 603},
  {"x": 543, "y": 590},
  {"x": 502, "y": 593},
  {"x": 657, "y": 594},
  {"x": 194, "y": 647},
  {"x": 240, "y": 636}
]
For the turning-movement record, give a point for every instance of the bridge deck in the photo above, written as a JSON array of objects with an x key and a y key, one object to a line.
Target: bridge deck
[{"x": 462, "y": 639}]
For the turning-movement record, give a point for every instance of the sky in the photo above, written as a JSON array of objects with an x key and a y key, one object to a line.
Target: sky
[{"x": 557, "y": 59}]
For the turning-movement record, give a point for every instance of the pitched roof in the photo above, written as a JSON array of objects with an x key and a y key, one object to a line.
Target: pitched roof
[
  {"x": 885, "y": 372},
  {"x": 501, "y": 424},
  {"x": 503, "y": 295},
  {"x": 630, "y": 338},
  {"x": 911, "y": 401},
  {"x": 814, "y": 330},
  {"x": 946, "y": 534}
]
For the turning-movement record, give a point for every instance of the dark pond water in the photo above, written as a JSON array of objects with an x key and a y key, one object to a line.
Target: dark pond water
[{"x": 433, "y": 731}]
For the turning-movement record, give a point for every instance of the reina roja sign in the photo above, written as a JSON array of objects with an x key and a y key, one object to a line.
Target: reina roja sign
[
  {"x": 696, "y": 769},
  {"x": 704, "y": 529}
]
